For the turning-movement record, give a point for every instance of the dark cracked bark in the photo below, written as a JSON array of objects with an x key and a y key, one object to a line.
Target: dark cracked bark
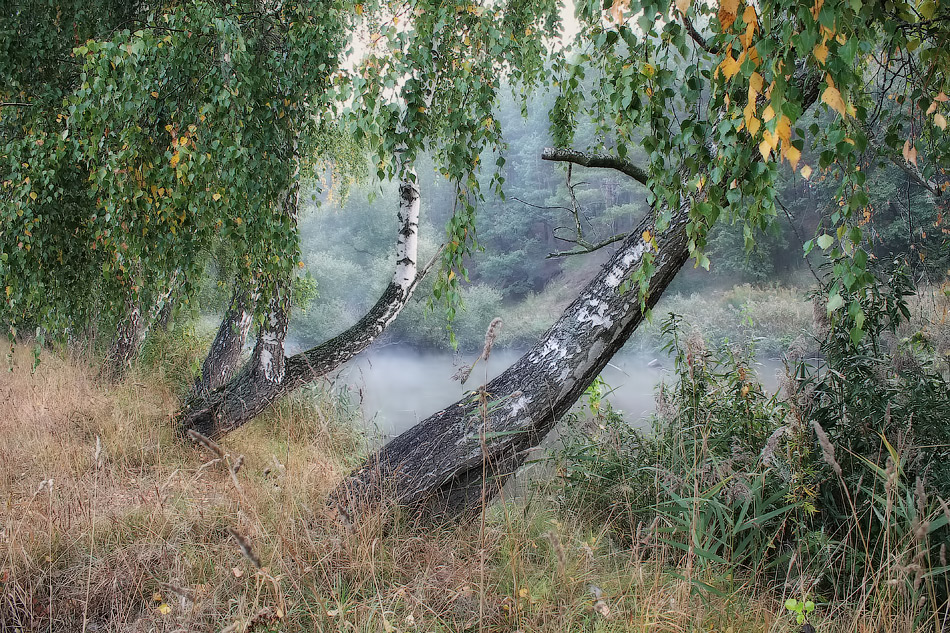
[
  {"x": 269, "y": 375},
  {"x": 224, "y": 356},
  {"x": 132, "y": 331},
  {"x": 438, "y": 464}
]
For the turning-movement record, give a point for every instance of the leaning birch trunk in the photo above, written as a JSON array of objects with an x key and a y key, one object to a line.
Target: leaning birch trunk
[
  {"x": 223, "y": 357},
  {"x": 269, "y": 375},
  {"x": 449, "y": 462}
]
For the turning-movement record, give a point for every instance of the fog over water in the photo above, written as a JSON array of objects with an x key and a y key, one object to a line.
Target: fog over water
[{"x": 399, "y": 387}]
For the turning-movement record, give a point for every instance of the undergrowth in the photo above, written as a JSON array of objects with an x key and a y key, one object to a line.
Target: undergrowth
[
  {"x": 831, "y": 493},
  {"x": 109, "y": 521}
]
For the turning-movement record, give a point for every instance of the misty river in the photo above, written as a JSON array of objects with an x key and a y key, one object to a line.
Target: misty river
[{"x": 397, "y": 387}]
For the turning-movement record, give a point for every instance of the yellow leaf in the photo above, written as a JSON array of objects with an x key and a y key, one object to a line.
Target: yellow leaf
[
  {"x": 238, "y": 221},
  {"x": 619, "y": 6},
  {"x": 746, "y": 37},
  {"x": 755, "y": 83},
  {"x": 731, "y": 66},
  {"x": 833, "y": 98},
  {"x": 784, "y": 129},
  {"x": 683, "y": 5},
  {"x": 157, "y": 597},
  {"x": 940, "y": 121},
  {"x": 728, "y": 10},
  {"x": 806, "y": 172},
  {"x": 154, "y": 94},
  {"x": 932, "y": 108},
  {"x": 910, "y": 152},
  {"x": 820, "y": 52},
  {"x": 770, "y": 139},
  {"x": 765, "y": 150},
  {"x": 216, "y": 197},
  {"x": 647, "y": 237},
  {"x": 748, "y": 16},
  {"x": 164, "y": 609},
  {"x": 175, "y": 159},
  {"x": 768, "y": 114},
  {"x": 9, "y": 290},
  {"x": 359, "y": 9},
  {"x": 32, "y": 195},
  {"x": 751, "y": 122},
  {"x": 793, "y": 155}
]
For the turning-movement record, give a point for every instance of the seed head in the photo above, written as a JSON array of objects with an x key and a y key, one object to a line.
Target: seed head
[
  {"x": 490, "y": 335},
  {"x": 827, "y": 448}
]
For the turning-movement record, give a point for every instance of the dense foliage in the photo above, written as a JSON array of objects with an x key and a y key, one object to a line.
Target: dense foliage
[
  {"x": 153, "y": 134},
  {"x": 836, "y": 487}
]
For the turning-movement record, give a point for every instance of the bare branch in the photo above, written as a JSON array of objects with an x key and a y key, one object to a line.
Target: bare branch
[
  {"x": 918, "y": 178},
  {"x": 697, "y": 37},
  {"x": 586, "y": 159},
  {"x": 538, "y": 206},
  {"x": 586, "y": 247}
]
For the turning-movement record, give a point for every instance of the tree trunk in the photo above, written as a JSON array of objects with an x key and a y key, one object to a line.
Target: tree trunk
[
  {"x": 131, "y": 333},
  {"x": 222, "y": 360},
  {"x": 126, "y": 343},
  {"x": 269, "y": 375},
  {"x": 440, "y": 464},
  {"x": 452, "y": 461}
]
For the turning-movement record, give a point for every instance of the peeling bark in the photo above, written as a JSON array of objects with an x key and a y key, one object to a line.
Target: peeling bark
[
  {"x": 448, "y": 463},
  {"x": 270, "y": 375}
]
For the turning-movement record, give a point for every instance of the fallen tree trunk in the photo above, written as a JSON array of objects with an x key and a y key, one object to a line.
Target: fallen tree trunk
[
  {"x": 270, "y": 375},
  {"x": 450, "y": 462}
]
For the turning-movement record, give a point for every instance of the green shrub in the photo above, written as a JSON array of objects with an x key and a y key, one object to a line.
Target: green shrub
[{"x": 834, "y": 490}]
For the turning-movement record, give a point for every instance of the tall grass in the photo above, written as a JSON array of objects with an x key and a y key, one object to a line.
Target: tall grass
[
  {"x": 110, "y": 522},
  {"x": 833, "y": 491}
]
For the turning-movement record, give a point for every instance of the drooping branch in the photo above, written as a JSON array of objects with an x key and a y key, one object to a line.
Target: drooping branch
[
  {"x": 588, "y": 159},
  {"x": 264, "y": 379},
  {"x": 587, "y": 247}
]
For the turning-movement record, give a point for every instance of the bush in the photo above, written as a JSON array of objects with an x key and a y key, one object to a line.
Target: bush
[{"x": 833, "y": 491}]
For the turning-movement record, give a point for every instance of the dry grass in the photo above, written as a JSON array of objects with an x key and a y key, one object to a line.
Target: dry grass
[{"x": 109, "y": 522}]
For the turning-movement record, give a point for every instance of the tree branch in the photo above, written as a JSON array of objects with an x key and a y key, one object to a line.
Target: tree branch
[
  {"x": 911, "y": 170},
  {"x": 697, "y": 37},
  {"x": 586, "y": 247},
  {"x": 585, "y": 159}
]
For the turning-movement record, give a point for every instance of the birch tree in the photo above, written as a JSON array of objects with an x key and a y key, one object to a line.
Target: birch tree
[{"x": 713, "y": 94}]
